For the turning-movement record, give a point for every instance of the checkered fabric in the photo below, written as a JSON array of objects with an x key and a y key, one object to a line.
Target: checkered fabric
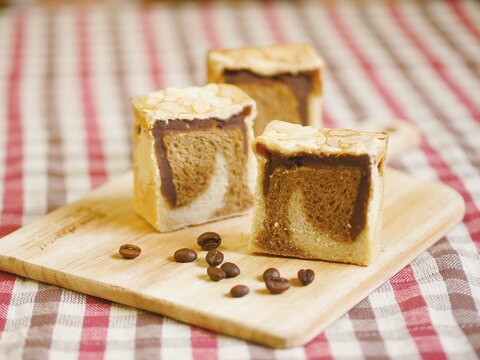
[{"x": 66, "y": 75}]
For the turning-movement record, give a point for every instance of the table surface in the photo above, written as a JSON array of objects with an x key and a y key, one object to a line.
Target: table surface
[{"x": 66, "y": 75}]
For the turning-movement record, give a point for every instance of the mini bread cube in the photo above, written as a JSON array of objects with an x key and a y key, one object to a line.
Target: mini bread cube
[
  {"x": 284, "y": 80},
  {"x": 319, "y": 193},
  {"x": 192, "y": 157}
]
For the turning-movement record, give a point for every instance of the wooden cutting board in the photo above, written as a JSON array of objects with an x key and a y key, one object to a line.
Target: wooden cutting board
[{"x": 76, "y": 247}]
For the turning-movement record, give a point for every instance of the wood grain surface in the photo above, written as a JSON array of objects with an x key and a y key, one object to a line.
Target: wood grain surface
[{"x": 76, "y": 247}]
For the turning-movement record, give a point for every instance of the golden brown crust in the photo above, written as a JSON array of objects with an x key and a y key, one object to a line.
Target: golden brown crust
[
  {"x": 288, "y": 139},
  {"x": 219, "y": 101},
  {"x": 146, "y": 177},
  {"x": 264, "y": 60}
]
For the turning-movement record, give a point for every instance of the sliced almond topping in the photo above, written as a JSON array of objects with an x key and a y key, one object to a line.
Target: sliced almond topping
[
  {"x": 152, "y": 101},
  {"x": 343, "y": 132},
  {"x": 170, "y": 107},
  {"x": 320, "y": 139},
  {"x": 224, "y": 102},
  {"x": 162, "y": 114},
  {"x": 201, "y": 107},
  {"x": 353, "y": 140},
  {"x": 306, "y": 131},
  {"x": 285, "y": 127},
  {"x": 334, "y": 141}
]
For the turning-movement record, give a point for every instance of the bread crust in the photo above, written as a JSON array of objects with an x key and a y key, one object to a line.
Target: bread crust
[
  {"x": 270, "y": 61},
  {"x": 294, "y": 232},
  {"x": 224, "y": 102},
  {"x": 264, "y": 60}
]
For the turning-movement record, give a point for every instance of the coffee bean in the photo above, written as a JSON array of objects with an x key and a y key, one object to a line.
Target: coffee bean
[
  {"x": 231, "y": 270},
  {"x": 306, "y": 276},
  {"x": 185, "y": 255},
  {"x": 129, "y": 251},
  {"x": 271, "y": 273},
  {"x": 214, "y": 257},
  {"x": 209, "y": 240},
  {"x": 239, "y": 291},
  {"x": 277, "y": 285},
  {"x": 215, "y": 273}
]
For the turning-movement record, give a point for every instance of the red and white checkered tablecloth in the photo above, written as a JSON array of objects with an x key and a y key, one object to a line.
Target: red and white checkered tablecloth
[{"x": 66, "y": 75}]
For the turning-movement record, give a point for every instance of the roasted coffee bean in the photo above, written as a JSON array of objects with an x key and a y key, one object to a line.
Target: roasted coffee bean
[
  {"x": 214, "y": 257},
  {"x": 239, "y": 291},
  {"x": 231, "y": 270},
  {"x": 129, "y": 251},
  {"x": 215, "y": 273},
  {"x": 306, "y": 276},
  {"x": 271, "y": 273},
  {"x": 185, "y": 255},
  {"x": 277, "y": 285},
  {"x": 209, "y": 240}
]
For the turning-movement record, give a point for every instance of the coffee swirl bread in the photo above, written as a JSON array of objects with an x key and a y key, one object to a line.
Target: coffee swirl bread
[
  {"x": 192, "y": 157},
  {"x": 284, "y": 80},
  {"x": 319, "y": 193}
]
